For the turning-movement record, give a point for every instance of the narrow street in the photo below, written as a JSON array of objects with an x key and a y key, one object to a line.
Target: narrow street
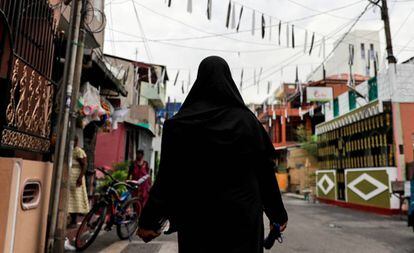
[{"x": 314, "y": 228}]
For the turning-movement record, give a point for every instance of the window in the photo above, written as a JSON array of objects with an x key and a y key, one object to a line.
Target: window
[
  {"x": 363, "y": 51},
  {"x": 352, "y": 100},
  {"x": 336, "y": 107},
  {"x": 371, "y": 51},
  {"x": 372, "y": 89}
]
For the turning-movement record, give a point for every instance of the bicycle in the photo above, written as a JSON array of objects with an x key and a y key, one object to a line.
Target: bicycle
[{"x": 111, "y": 209}]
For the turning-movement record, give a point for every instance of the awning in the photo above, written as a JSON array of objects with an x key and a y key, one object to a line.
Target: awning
[
  {"x": 371, "y": 109},
  {"x": 144, "y": 126},
  {"x": 100, "y": 76}
]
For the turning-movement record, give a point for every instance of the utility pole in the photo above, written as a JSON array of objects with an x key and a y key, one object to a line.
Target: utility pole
[
  {"x": 392, "y": 71},
  {"x": 65, "y": 103},
  {"x": 64, "y": 196},
  {"x": 386, "y": 18}
]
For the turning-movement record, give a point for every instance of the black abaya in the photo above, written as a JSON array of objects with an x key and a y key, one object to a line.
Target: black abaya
[{"x": 216, "y": 174}]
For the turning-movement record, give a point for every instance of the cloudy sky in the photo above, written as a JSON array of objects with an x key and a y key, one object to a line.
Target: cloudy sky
[{"x": 180, "y": 40}]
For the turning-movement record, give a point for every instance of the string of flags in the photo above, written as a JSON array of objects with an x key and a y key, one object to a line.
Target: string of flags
[{"x": 234, "y": 20}]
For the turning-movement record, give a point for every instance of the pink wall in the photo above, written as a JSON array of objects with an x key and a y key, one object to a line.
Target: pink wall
[
  {"x": 110, "y": 147},
  {"x": 407, "y": 120}
]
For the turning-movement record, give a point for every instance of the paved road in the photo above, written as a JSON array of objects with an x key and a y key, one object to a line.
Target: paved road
[{"x": 313, "y": 228}]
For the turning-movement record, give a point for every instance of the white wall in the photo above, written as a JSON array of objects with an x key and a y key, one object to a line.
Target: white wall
[{"x": 338, "y": 62}]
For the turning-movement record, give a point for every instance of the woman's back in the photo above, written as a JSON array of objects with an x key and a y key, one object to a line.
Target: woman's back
[{"x": 216, "y": 173}]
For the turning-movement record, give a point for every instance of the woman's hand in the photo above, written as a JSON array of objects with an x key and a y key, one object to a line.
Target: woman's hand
[
  {"x": 147, "y": 235},
  {"x": 79, "y": 182},
  {"x": 282, "y": 227}
]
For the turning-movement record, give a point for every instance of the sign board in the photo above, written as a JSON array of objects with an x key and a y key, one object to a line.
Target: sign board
[{"x": 319, "y": 94}]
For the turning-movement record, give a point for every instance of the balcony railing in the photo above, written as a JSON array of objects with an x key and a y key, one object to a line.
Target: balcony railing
[{"x": 32, "y": 27}]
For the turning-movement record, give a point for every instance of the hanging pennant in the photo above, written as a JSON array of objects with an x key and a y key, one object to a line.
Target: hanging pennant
[
  {"x": 149, "y": 76},
  {"x": 253, "y": 22},
  {"x": 182, "y": 87},
  {"x": 189, "y": 79},
  {"x": 260, "y": 75},
  {"x": 160, "y": 80},
  {"x": 241, "y": 79},
  {"x": 270, "y": 28},
  {"x": 269, "y": 84},
  {"x": 263, "y": 26},
  {"x": 254, "y": 77},
  {"x": 311, "y": 45},
  {"x": 228, "y": 15},
  {"x": 240, "y": 16},
  {"x": 233, "y": 17},
  {"x": 280, "y": 30},
  {"x": 297, "y": 77},
  {"x": 258, "y": 80},
  {"x": 287, "y": 35},
  {"x": 324, "y": 48},
  {"x": 306, "y": 41},
  {"x": 293, "y": 36},
  {"x": 169, "y": 3},
  {"x": 209, "y": 9},
  {"x": 189, "y": 6},
  {"x": 176, "y": 77}
]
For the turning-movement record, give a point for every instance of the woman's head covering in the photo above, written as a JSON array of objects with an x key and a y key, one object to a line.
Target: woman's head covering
[
  {"x": 214, "y": 89},
  {"x": 215, "y": 110}
]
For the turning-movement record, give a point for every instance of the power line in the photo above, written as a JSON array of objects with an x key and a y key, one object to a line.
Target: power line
[
  {"x": 345, "y": 34},
  {"x": 147, "y": 49},
  {"x": 403, "y": 23},
  {"x": 321, "y": 12}
]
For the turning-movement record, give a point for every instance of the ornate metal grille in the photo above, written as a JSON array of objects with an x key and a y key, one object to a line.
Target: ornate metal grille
[{"x": 29, "y": 94}]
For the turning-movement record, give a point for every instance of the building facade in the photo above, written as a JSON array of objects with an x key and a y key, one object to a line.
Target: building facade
[
  {"x": 366, "y": 142},
  {"x": 138, "y": 127},
  {"x": 27, "y": 44}
]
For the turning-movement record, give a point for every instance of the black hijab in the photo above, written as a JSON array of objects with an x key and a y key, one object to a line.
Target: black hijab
[
  {"x": 214, "y": 102},
  {"x": 213, "y": 90}
]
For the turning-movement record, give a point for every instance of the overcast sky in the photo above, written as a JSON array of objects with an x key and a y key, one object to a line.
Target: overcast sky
[{"x": 174, "y": 36}]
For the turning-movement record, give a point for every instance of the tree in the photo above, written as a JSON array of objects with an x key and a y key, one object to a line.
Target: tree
[{"x": 307, "y": 141}]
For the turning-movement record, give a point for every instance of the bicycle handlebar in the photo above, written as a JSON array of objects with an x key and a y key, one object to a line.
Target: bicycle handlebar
[{"x": 107, "y": 174}]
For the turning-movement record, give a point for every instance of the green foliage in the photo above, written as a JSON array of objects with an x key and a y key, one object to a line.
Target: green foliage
[
  {"x": 119, "y": 173},
  {"x": 307, "y": 141}
]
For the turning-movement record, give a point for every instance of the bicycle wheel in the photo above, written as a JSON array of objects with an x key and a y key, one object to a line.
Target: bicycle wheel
[
  {"x": 91, "y": 226},
  {"x": 129, "y": 214}
]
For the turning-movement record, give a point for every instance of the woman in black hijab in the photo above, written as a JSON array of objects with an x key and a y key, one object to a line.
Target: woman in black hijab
[{"x": 216, "y": 173}]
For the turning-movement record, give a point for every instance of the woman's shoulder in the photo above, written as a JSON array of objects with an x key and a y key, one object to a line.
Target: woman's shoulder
[
  {"x": 243, "y": 116},
  {"x": 79, "y": 152}
]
